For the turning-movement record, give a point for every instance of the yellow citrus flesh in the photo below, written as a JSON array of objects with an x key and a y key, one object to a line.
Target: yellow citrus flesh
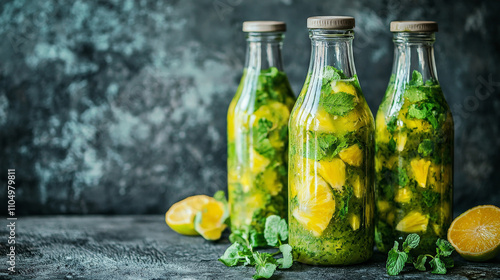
[
  {"x": 316, "y": 206},
  {"x": 420, "y": 168},
  {"x": 403, "y": 195},
  {"x": 413, "y": 222},
  {"x": 180, "y": 217},
  {"x": 476, "y": 233},
  {"x": 382, "y": 135},
  {"x": 209, "y": 222},
  {"x": 352, "y": 155},
  {"x": 258, "y": 162},
  {"x": 333, "y": 172},
  {"x": 271, "y": 181}
]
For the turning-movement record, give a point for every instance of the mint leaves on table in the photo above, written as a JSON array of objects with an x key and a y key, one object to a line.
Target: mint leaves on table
[
  {"x": 241, "y": 252},
  {"x": 439, "y": 263}
]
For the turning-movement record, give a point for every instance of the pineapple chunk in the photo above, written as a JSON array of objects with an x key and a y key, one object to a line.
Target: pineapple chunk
[
  {"x": 383, "y": 206},
  {"x": 333, "y": 172},
  {"x": 271, "y": 182},
  {"x": 403, "y": 195},
  {"x": 354, "y": 221},
  {"x": 341, "y": 86},
  {"x": 401, "y": 141},
  {"x": 413, "y": 222},
  {"x": 352, "y": 155},
  {"x": 258, "y": 162},
  {"x": 382, "y": 134},
  {"x": 323, "y": 121},
  {"x": 420, "y": 169},
  {"x": 357, "y": 185}
]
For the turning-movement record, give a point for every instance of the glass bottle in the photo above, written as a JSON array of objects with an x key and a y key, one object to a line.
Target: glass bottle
[
  {"x": 414, "y": 145},
  {"x": 331, "y": 194},
  {"x": 257, "y": 124}
]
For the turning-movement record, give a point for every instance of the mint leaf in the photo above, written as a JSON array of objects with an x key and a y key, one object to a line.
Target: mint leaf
[
  {"x": 426, "y": 147},
  {"x": 260, "y": 138},
  {"x": 283, "y": 230},
  {"x": 392, "y": 145},
  {"x": 265, "y": 270},
  {"x": 257, "y": 239},
  {"x": 338, "y": 104},
  {"x": 438, "y": 267},
  {"x": 323, "y": 146},
  {"x": 420, "y": 263},
  {"x": 403, "y": 180},
  {"x": 331, "y": 74},
  {"x": 396, "y": 260},
  {"x": 392, "y": 124},
  {"x": 444, "y": 247},
  {"x": 431, "y": 198},
  {"x": 287, "y": 260},
  {"x": 418, "y": 113},
  {"x": 415, "y": 94},
  {"x": 416, "y": 79},
  {"x": 220, "y": 196},
  {"x": 411, "y": 241},
  {"x": 232, "y": 255},
  {"x": 344, "y": 208}
]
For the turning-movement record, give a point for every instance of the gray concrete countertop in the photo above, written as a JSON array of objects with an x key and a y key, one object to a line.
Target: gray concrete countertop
[{"x": 143, "y": 247}]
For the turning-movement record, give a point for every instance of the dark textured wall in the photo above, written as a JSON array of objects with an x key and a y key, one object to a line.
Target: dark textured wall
[{"x": 120, "y": 106}]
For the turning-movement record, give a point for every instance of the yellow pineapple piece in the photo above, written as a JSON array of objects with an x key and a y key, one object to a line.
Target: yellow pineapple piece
[
  {"x": 354, "y": 221},
  {"x": 341, "y": 86},
  {"x": 258, "y": 162},
  {"x": 270, "y": 180},
  {"x": 401, "y": 141},
  {"x": 413, "y": 222},
  {"x": 316, "y": 206},
  {"x": 358, "y": 188},
  {"x": 403, "y": 195},
  {"x": 304, "y": 173},
  {"x": 382, "y": 135},
  {"x": 352, "y": 155},
  {"x": 323, "y": 121},
  {"x": 333, "y": 172},
  {"x": 420, "y": 169},
  {"x": 383, "y": 206}
]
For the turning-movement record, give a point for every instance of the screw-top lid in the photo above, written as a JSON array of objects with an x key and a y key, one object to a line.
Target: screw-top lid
[
  {"x": 264, "y": 26},
  {"x": 331, "y": 22},
  {"x": 414, "y": 26}
]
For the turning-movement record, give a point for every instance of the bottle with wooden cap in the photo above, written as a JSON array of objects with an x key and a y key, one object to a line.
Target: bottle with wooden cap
[
  {"x": 257, "y": 130},
  {"x": 331, "y": 194},
  {"x": 414, "y": 145}
]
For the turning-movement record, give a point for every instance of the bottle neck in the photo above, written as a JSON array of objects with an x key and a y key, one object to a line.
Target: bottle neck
[
  {"x": 264, "y": 51},
  {"x": 413, "y": 52},
  {"x": 331, "y": 48}
]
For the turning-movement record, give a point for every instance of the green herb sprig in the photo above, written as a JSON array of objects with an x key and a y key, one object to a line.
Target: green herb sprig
[
  {"x": 241, "y": 252},
  {"x": 439, "y": 263}
]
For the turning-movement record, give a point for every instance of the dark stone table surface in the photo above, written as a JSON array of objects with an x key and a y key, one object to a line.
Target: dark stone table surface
[{"x": 143, "y": 247}]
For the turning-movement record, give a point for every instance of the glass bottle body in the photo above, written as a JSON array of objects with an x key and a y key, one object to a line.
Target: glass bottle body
[
  {"x": 331, "y": 196},
  {"x": 414, "y": 149},
  {"x": 258, "y": 138}
]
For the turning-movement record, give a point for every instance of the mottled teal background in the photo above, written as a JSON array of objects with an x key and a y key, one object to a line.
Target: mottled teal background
[{"x": 120, "y": 106}]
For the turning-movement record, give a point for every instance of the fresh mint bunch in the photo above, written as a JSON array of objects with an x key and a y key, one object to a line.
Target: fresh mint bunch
[
  {"x": 439, "y": 263},
  {"x": 241, "y": 252}
]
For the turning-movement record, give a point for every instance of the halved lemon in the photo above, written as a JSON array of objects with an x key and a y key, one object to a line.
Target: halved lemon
[
  {"x": 476, "y": 233},
  {"x": 198, "y": 215},
  {"x": 180, "y": 217},
  {"x": 209, "y": 222}
]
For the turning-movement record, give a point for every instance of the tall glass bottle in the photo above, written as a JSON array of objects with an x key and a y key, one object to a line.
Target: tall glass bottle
[
  {"x": 331, "y": 194},
  {"x": 414, "y": 145},
  {"x": 258, "y": 133}
]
